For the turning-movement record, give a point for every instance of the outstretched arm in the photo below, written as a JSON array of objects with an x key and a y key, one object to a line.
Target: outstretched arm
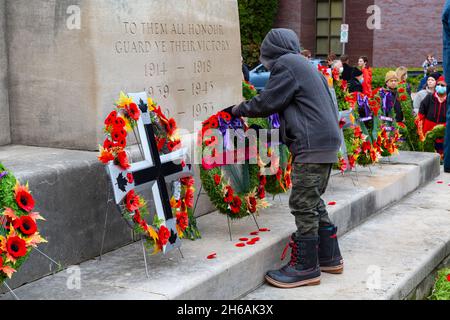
[{"x": 274, "y": 98}]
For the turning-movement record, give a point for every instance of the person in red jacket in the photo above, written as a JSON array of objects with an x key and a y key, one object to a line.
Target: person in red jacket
[
  {"x": 363, "y": 64},
  {"x": 433, "y": 110}
]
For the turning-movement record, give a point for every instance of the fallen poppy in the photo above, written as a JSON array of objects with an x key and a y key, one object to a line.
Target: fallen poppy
[
  {"x": 243, "y": 239},
  {"x": 255, "y": 239},
  {"x": 332, "y": 203},
  {"x": 440, "y": 182},
  {"x": 250, "y": 243},
  {"x": 254, "y": 233},
  {"x": 240, "y": 245},
  {"x": 264, "y": 230},
  {"x": 212, "y": 256}
]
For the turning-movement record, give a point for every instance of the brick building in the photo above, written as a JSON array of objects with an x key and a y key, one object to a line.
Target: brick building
[{"x": 389, "y": 32}]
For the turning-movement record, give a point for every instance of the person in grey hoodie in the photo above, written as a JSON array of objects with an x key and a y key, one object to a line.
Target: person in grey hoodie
[{"x": 310, "y": 128}]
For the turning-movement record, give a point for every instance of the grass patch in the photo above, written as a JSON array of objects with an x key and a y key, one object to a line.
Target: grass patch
[{"x": 441, "y": 290}]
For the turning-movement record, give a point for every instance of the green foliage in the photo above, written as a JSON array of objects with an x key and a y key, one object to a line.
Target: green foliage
[
  {"x": 438, "y": 132},
  {"x": 441, "y": 290},
  {"x": 411, "y": 135},
  {"x": 256, "y": 20}
]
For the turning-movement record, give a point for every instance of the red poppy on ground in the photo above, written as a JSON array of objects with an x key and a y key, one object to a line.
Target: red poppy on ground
[
  {"x": 24, "y": 198},
  {"x": 243, "y": 239},
  {"x": 111, "y": 118},
  {"x": 217, "y": 179},
  {"x": 403, "y": 97},
  {"x": 440, "y": 182},
  {"x": 133, "y": 111},
  {"x": 27, "y": 225},
  {"x": 212, "y": 256},
  {"x": 256, "y": 239},
  {"x": 182, "y": 220},
  {"x": 264, "y": 230},
  {"x": 130, "y": 177},
  {"x": 251, "y": 204},
  {"x": 236, "y": 205},
  {"x": 229, "y": 193},
  {"x": 105, "y": 156},
  {"x": 189, "y": 197},
  {"x": 132, "y": 201},
  {"x": 16, "y": 247},
  {"x": 332, "y": 203},
  {"x": 163, "y": 235},
  {"x": 250, "y": 243},
  {"x": 122, "y": 159},
  {"x": 240, "y": 245},
  {"x": 254, "y": 233}
]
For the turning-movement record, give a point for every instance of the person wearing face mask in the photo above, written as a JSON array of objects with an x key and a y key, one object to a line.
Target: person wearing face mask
[
  {"x": 356, "y": 82},
  {"x": 430, "y": 88},
  {"x": 433, "y": 108},
  {"x": 363, "y": 64}
]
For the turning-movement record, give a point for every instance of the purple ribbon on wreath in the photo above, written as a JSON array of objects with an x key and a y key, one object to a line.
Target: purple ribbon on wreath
[
  {"x": 235, "y": 124},
  {"x": 274, "y": 121},
  {"x": 3, "y": 174},
  {"x": 363, "y": 102},
  {"x": 384, "y": 97}
]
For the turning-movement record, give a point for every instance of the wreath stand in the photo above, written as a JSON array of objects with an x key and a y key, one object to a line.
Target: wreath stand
[{"x": 228, "y": 217}]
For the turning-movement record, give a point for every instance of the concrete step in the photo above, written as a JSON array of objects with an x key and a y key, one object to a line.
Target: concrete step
[
  {"x": 71, "y": 190},
  {"x": 235, "y": 271},
  {"x": 390, "y": 255}
]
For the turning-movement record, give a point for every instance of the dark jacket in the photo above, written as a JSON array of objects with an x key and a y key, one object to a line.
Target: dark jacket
[
  {"x": 446, "y": 62},
  {"x": 354, "y": 86},
  {"x": 300, "y": 95},
  {"x": 347, "y": 73}
]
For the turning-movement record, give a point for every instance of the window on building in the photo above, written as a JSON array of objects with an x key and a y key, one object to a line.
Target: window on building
[{"x": 328, "y": 26}]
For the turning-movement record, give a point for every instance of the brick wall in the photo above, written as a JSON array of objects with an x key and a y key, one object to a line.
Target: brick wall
[
  {"x": 409, "y": 30},
  {"x": 360, "y": 38}
]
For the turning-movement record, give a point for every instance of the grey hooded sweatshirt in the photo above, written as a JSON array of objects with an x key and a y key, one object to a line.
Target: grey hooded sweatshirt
[{"x": 299, "y": 94}]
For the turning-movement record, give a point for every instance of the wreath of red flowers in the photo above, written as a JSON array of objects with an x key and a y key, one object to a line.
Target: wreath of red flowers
[
  {"x": 18, "y": 224},
  {"x": 134, "y": 207},
  {"x": 218, "y": 187}
]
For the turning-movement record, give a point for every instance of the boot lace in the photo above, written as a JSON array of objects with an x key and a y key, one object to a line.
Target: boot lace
[{"x": 294, "y": 252}]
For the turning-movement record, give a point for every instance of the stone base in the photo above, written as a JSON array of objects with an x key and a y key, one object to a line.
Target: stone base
[{"x": 236, "y": 271}]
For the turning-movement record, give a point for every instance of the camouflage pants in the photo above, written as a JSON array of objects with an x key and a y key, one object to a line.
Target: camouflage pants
[{"x": 309, "y": 182}]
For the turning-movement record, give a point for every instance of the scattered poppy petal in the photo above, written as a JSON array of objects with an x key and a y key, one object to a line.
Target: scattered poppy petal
[
  {"x": 332, "y": 203},
  {"x": 212, "y": 256},
  {"x": 243, "y": 239},
  {"x": 250, "y": 243},
  {"x": 255, "y": 239},
  {"x": 240, "y": 245},
  {"x": 440, "y": 182},
  {"x": 254, "y": 233},
  {"x": 264, "y": 230}
]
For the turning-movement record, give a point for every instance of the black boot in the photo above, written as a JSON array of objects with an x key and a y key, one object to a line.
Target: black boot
[
  {"x": 330, "y": 258},
  {"x": 303, "y": 269}
]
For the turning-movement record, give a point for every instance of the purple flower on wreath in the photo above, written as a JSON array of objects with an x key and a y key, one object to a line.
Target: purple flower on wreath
[
  {"x": 3, "y": 174},
  {"x": 274, "y": 121}
]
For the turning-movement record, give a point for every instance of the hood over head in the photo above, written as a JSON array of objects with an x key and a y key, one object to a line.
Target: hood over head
[{"x": 277, "y": 43}]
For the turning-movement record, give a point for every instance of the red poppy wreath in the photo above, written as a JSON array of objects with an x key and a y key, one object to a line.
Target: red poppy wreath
[
  {"x": 18, "y": 224},
  {"x": 119, "y": 122}
]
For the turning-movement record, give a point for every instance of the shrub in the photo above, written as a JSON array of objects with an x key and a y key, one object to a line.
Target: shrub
[{"x": 256, "y": 19}]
